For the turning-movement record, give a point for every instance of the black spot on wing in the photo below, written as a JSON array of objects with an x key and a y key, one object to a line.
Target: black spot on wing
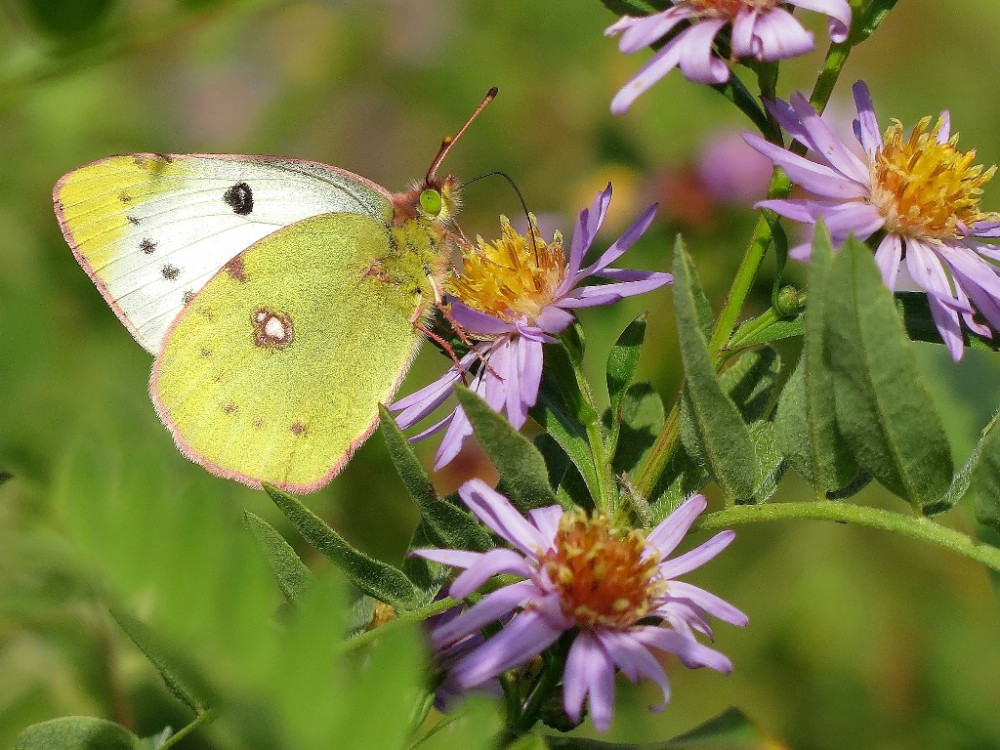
[
  {"x": 170, "y": 272},
  {"x": 133, "y": 220},
  {"x": 147, "y": 246},
  {"x": 240, "y": 198},
  {"x": 187, "y": 297}
]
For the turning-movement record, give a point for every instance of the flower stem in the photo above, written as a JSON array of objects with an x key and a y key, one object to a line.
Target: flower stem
[
  {"x": 205, "y": 717},
  {"x": 413, "y": 615},
  {"x": 916, "y": 527}
]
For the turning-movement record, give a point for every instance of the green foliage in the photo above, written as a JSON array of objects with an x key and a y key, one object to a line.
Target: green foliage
[
  {"x": 373, "y": 577},
  {"x": 80, "y": 733},
  {"x": 884, "y": 411},
  {"x": 290, "y": 573},
  {"x": 68, "y": 18},
  {"x": 730, "y": 730},
  {"x": 984, "y": 478}
]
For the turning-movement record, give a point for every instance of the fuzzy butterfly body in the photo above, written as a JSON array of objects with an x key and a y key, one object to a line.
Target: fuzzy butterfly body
[{"x": 280, "y": 298}]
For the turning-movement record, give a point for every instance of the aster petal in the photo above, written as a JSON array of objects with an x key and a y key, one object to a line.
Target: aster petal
[
  {"x": 455, "y": 558},
  {"x": 787, "y": 119},
  {"x": 476, "y": 321},
  {"x": 494, "y": 606},
  {"x": 553, "y": 320},
  {"x": 635, "y": 661},
  {"x": 826, "y": 144},
  {"x": 838, "y": 11},
  {"x": 529, "y": 369},
  {"x": 697, "y": 59},
  {"x": 606, "y": 294},
  {"x": 974, "y": 325},
  {"x": 434, "y": 428},
  {"x": 494, "y": 510},
  {"x": 741, "y": 37},
  {"x": 546, "y": 520},
  {"x": 459, "y": 430},
  {"x": 658, "y": 66},
  {"x": 526, "y": 636},
  {"x": 888, "y": 257},
  {"x": 638, "y": 33},
  {"x": 707, "y": 601},
  {"x": 842, "y": 218},
  {"x": 777, "y": 35},
  {"x": 985, "y": 229},
  {"x": 927, "y": 270},
  {"x": 947, "y": 322},
  {"x": 815, "y": 177},
  {"x": 629, "y": 274},
  {"x": 669, "y": 532},
  {"x": 620, "y": 246},
  {"x": 698, "y": 556},
  {"x": 587, "y": 225},
  {"x": 866, "y": 126},
  {"x": 490, "y": 564},
  {"x": 978, "y": 278},
  {"x": 688, "y": 650},
  {"x": 589, "y": 671}
]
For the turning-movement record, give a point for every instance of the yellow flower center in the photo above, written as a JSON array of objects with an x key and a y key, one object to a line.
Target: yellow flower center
[
  {"x": 927, "y": 189},
  {"x": 730, "y": 8},
  {"x": 601, "y": 575},
  {"x": 511, "y": 277}
]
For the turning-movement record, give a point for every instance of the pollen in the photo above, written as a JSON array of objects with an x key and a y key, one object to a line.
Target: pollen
[
  {"x": 926, "y": 189},
  {"x": 606, "y": 578},
  {"x": 512, "y": 277},
  {"x": 730, "y": 9}
]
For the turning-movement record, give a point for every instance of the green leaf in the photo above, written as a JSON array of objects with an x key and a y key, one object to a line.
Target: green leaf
[
  {"x": 177, "y": 673},
  {"x": 629, "y": 7},
  {"x": 883, "y": 409},
  {"x": 805, "y": 422},
  {"x": 730, "y": 730},
  {"x": 373, "y": 577},
  {"x": 642, "y": 415},
  {"x": 751, "y": 382},
  {"x": 985, "y": 478},
  {"x": 553, "y": 415},
  {"x": 5, "y": 476},
  {"x": 722, "y": 437},
  {"x": 67, "y": 17},
  {"x": 772, "y": 462},
  {"x": 290, "y": 572},
  {"x": 624, "y": 360},
  {"x": 77, "y": 733},
  {"x": 682, "y": 477},
  {"x": 522, "y": 469},
  {"x": 783, "y": 328},
  {"x": 446, "y": 524}
]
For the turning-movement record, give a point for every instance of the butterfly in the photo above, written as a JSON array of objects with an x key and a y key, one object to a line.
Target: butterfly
[{"x": 283, "y": 300}]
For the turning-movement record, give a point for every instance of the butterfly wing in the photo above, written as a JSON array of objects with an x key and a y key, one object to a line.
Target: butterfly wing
[
  {"x": 274, "y": 371},
  {"x": 152, "y": 229}
]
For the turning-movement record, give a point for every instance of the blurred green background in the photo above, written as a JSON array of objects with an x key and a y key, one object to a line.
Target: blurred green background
[{"x": 856, "y": 639}]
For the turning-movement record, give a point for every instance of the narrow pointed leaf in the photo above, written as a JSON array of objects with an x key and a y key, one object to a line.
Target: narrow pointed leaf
[
  {"x": 175, "y": 670},
  {"x": 805, "y": 423},
  {"x": 446, "y": 525},
  {"x": 751, "y": 381},
  {"x": 722, "y": 437},
  {"x": 623, "y": 360},
  {"x": 730, "y": 730},
  {"x": 77, "y": 733},
  {"x": 642, "y": 416},
  {"x": 373, "y": 577},
  {"x": 920, "y": 326},
  {"x": 289, "y": 571},
  {"x": 553, "y": 415},
  {"x": 521, "y": 467},
  {"x": 783, "y": 328},
  {"x": 883, "y": 409}
]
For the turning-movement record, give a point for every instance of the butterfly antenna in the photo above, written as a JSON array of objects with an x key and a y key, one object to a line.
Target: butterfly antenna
[
  {"x": 449, "y": 140},
  {"x": 520, "y": 198}
]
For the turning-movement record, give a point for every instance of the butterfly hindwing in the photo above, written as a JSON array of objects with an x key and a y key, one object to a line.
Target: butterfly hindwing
[
  {"x": 274, "y": 370},
  {"x": 152, "y": 229}
]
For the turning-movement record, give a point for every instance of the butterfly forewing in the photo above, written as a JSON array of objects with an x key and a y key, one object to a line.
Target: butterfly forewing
[
  {"x": 152, "y": 229},
  {"x": 274, "y": 371}
]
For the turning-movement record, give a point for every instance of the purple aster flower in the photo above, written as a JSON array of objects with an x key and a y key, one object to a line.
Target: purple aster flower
[
  {"x": 614, "y": 589},
  {"x": 921, "y": 191},
  {"x": 762, "y": 29},
  {"x": 448, "y": 693},
  {"x": 514, "y": 295}
]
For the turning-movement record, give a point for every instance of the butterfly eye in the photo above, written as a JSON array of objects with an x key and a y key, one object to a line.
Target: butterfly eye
[{"x": 430, "y": 201}]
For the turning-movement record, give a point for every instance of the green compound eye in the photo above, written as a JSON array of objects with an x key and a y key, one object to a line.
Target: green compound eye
[{"x": 430, "y": 201}]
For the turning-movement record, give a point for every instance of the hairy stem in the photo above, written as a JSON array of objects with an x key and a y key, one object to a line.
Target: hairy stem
[{"x": 414, "y": 615}]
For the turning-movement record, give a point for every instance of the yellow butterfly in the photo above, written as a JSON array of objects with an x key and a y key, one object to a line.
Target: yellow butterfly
[{"x": 283, "y": 299}]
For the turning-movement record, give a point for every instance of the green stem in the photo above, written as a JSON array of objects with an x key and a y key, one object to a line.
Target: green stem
[
  {"x": 915, "y": 527},
  {"x": 553, "y": 671},
  {"x": 413, "y": 615},
  {"x": 736, "y": 92},
  {"x": 607, "y": 497},
  {"x": 205, "y": 717}
]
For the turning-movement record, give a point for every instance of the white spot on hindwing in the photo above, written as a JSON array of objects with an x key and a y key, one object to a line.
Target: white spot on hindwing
[{"x": 271, "y": 329}]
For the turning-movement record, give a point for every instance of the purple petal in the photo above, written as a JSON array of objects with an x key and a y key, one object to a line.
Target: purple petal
[
  {"x": 490, "y": 564},
  {"x": 867, "y": 129},
  {"x": 635, "y": 661},
  {"x": 658, "y": 66},
  {"x": 815, "y": 177},
  {"x": 688, "y": 650},
  {"x": 825, "y": 143},
  {"x": 669, "y": 533},
  {"x": 589, "y": 671},
  {"x": 492, "y": 607},
  {"x": 742, "y": 35},
  {"x": 459, "y": 430},
  {"x": 607, "y": 294},
  {"x": 526, "y": 636},
  {"x": 478, "y": 322},
  {"x": 778, "y": 36},
  {"x": 456, "y": 558},
  {"x": 619, "y": 247},
  {"x": 641, "y": 32},
  {"x": 546, "y": 520},
  {"x": 710, "y": 603},
  {"x": 628, "y": 274},
  {"x": 838, "y": 11},
  {"x": 946, "y": 320},
  {"x": 698, "y": 556},
  {"x": 888, "y": 257},
  {"x": 553, "y": 320},
  {"x": 587, "y": 225},
  {"x": 494, "y": 510},
  {"x": 697, "y": 59}
]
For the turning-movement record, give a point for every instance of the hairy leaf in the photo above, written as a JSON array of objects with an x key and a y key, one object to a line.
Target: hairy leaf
[{"x": 290, "y": 572}]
